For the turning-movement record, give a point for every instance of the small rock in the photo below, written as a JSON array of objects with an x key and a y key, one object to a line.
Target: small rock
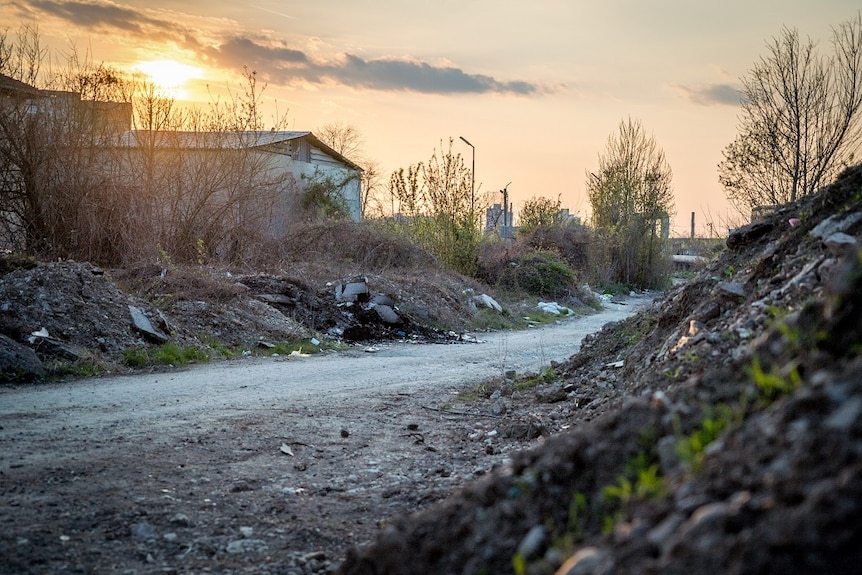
[
  {"x": 532, "y": 543},
  {"x": 246, "y": 546},
  {"x": 841, "y": 244},
  {"x": 143, "y": 530},
  {"x": 484, "y": 300},
  {"x": 180, "y": 519},
  {"x": 845, "y": 416},
  {"x": 730, "y": 289},
  {"x": 345, "y": 434},
  {"x": 143, "y": 325},
  {"x": 498, "y": 408},
  {"x": 551, "y": 394}
]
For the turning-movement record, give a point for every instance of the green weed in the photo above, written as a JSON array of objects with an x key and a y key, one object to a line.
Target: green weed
[
  {"x": 692, "y": 448},
  {"x": 165, "y": 354},
  {"x": 773, "y": 385},
  {"x": 548, "y": 375},
  {"x": 640, "y": 480}
]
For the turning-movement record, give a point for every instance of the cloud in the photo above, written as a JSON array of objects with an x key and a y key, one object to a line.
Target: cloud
[
  {"x": 713, "y": 94},
  {"x": 100, "y": 15},
  {"x": 279, "y": 64},
  {"x": 392, "y": 74},
  {"x": 275, "y": 61}
]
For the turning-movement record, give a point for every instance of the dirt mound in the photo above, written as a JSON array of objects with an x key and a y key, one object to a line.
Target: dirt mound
[
  {"x": 72, "y": 317},
  {"x": 717, "y": 432}
]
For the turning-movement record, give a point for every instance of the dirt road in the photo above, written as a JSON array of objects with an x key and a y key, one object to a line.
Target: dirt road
[{"x": 261, "y": 465}]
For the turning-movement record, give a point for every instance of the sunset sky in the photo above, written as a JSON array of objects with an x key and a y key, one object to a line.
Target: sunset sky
[{"x": 537, "y": 87}]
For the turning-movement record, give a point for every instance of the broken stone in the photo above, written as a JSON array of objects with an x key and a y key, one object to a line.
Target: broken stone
[
  {"x": 276, "y": 298},
  {"x": 383, "y": 299},
  {"x": 835, "y": 224},
  {"x": 551, "y": 394},
  {"x": 486, "y": 301},
  {"x": 143, "y": 325},
  {"x": 18, "y": 362},
  {"x": 730, "y": 289},
  {"x": 352, "y": 291},
  {"x": 841, "y": 244},
  {"x": 533, "y": 541},
  {"x": 246, "y": 546},
  {"x": 387, "y": 314},
  {"x": 553, "y": 308}
]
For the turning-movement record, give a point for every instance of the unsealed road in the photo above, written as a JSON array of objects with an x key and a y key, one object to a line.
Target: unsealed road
[
  {"x": 170, "y": 472},
  {"x": 207, "y": 391}
]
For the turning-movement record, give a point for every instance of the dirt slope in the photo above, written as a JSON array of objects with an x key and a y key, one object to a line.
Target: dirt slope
[{"x": 718, "y": 432}]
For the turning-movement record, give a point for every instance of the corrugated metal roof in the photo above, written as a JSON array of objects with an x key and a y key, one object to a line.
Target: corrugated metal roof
[
  {"x": 222, "y": 140},
  {"x": 9, "y": 85},
  {"x": 215, "y": 140}
]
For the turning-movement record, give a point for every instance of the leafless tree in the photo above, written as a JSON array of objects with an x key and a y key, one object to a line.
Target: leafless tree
[
  {"x": 800, "y": 122},
  {"x": 75, "y": 182},
  {"x": 348, "y": 140}
]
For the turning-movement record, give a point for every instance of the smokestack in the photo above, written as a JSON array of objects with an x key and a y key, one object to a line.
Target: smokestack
[{"x": 692, "y": 225}]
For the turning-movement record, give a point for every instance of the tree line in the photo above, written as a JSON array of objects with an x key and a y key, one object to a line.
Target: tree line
[{"x": 798, "y": 127}]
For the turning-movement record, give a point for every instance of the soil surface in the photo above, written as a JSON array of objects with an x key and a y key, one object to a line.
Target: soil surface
[{"x": 257, "y": 464}]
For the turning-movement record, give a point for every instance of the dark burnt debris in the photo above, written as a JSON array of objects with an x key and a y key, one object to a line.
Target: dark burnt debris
[{"x": 73, "y": 312}]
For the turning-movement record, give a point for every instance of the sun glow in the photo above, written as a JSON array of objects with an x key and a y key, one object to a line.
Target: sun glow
[{"x": 169, "y": 75}]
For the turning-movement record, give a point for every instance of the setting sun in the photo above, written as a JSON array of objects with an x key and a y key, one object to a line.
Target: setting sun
[{"x": 169, "y": 75}]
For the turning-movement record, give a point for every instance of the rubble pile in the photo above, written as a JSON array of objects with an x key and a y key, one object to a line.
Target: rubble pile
[{"x": 76, "y": 313}]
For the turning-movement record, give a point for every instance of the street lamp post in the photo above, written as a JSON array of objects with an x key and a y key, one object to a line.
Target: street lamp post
[
  {"x": 507, "y": 221},
  {"x": 473, "y": 177}
]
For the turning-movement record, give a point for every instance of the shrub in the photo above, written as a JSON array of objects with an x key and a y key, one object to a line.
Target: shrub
[{"x": 539, "y": 273}]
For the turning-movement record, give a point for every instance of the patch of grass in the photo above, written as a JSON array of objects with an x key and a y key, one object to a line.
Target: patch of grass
[
  {"x": 489, "y": 320},
  {"x": 539, "y": 273},
  {"x": 640, "y": 480},
  {"x": 165, "y": 354},
  {"x": 86, "y": 367},
  {"x": 219, "y": 349},
  {"x": 547, "y": 375},
  {"x": 539, "y": 317},
  {"x": 691, "y": 448},
  {"x": 775, "y": 384}
]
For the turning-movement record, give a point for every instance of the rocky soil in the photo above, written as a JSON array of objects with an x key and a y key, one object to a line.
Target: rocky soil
[{"x": 718, "y": 432}]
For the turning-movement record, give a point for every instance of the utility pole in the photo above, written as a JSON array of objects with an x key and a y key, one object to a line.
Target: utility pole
[
  {"x": 507, "y": 221},
  {"x": 472, "y": 179}
]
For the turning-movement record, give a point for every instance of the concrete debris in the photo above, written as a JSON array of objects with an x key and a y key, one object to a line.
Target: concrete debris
[
  {"x": 18, "y": 362},
  {"x": 143, "y": 325},
  {"x": 554, "y": 308},
  {"x": 352, "y": 291},
  {"x": 386, "y": 314},
  {"x": 485, "y": 301}
]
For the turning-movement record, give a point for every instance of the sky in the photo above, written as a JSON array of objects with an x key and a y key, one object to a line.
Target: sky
[{"x": 536, "y": 87}]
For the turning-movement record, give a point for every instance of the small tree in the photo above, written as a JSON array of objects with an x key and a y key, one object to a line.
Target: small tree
[
  {"x": 434, "y": 200},
  {"x": 631, "y": 197},
  {"x": 539, "y": 212},
  {"x": 800, "y": 122}
]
